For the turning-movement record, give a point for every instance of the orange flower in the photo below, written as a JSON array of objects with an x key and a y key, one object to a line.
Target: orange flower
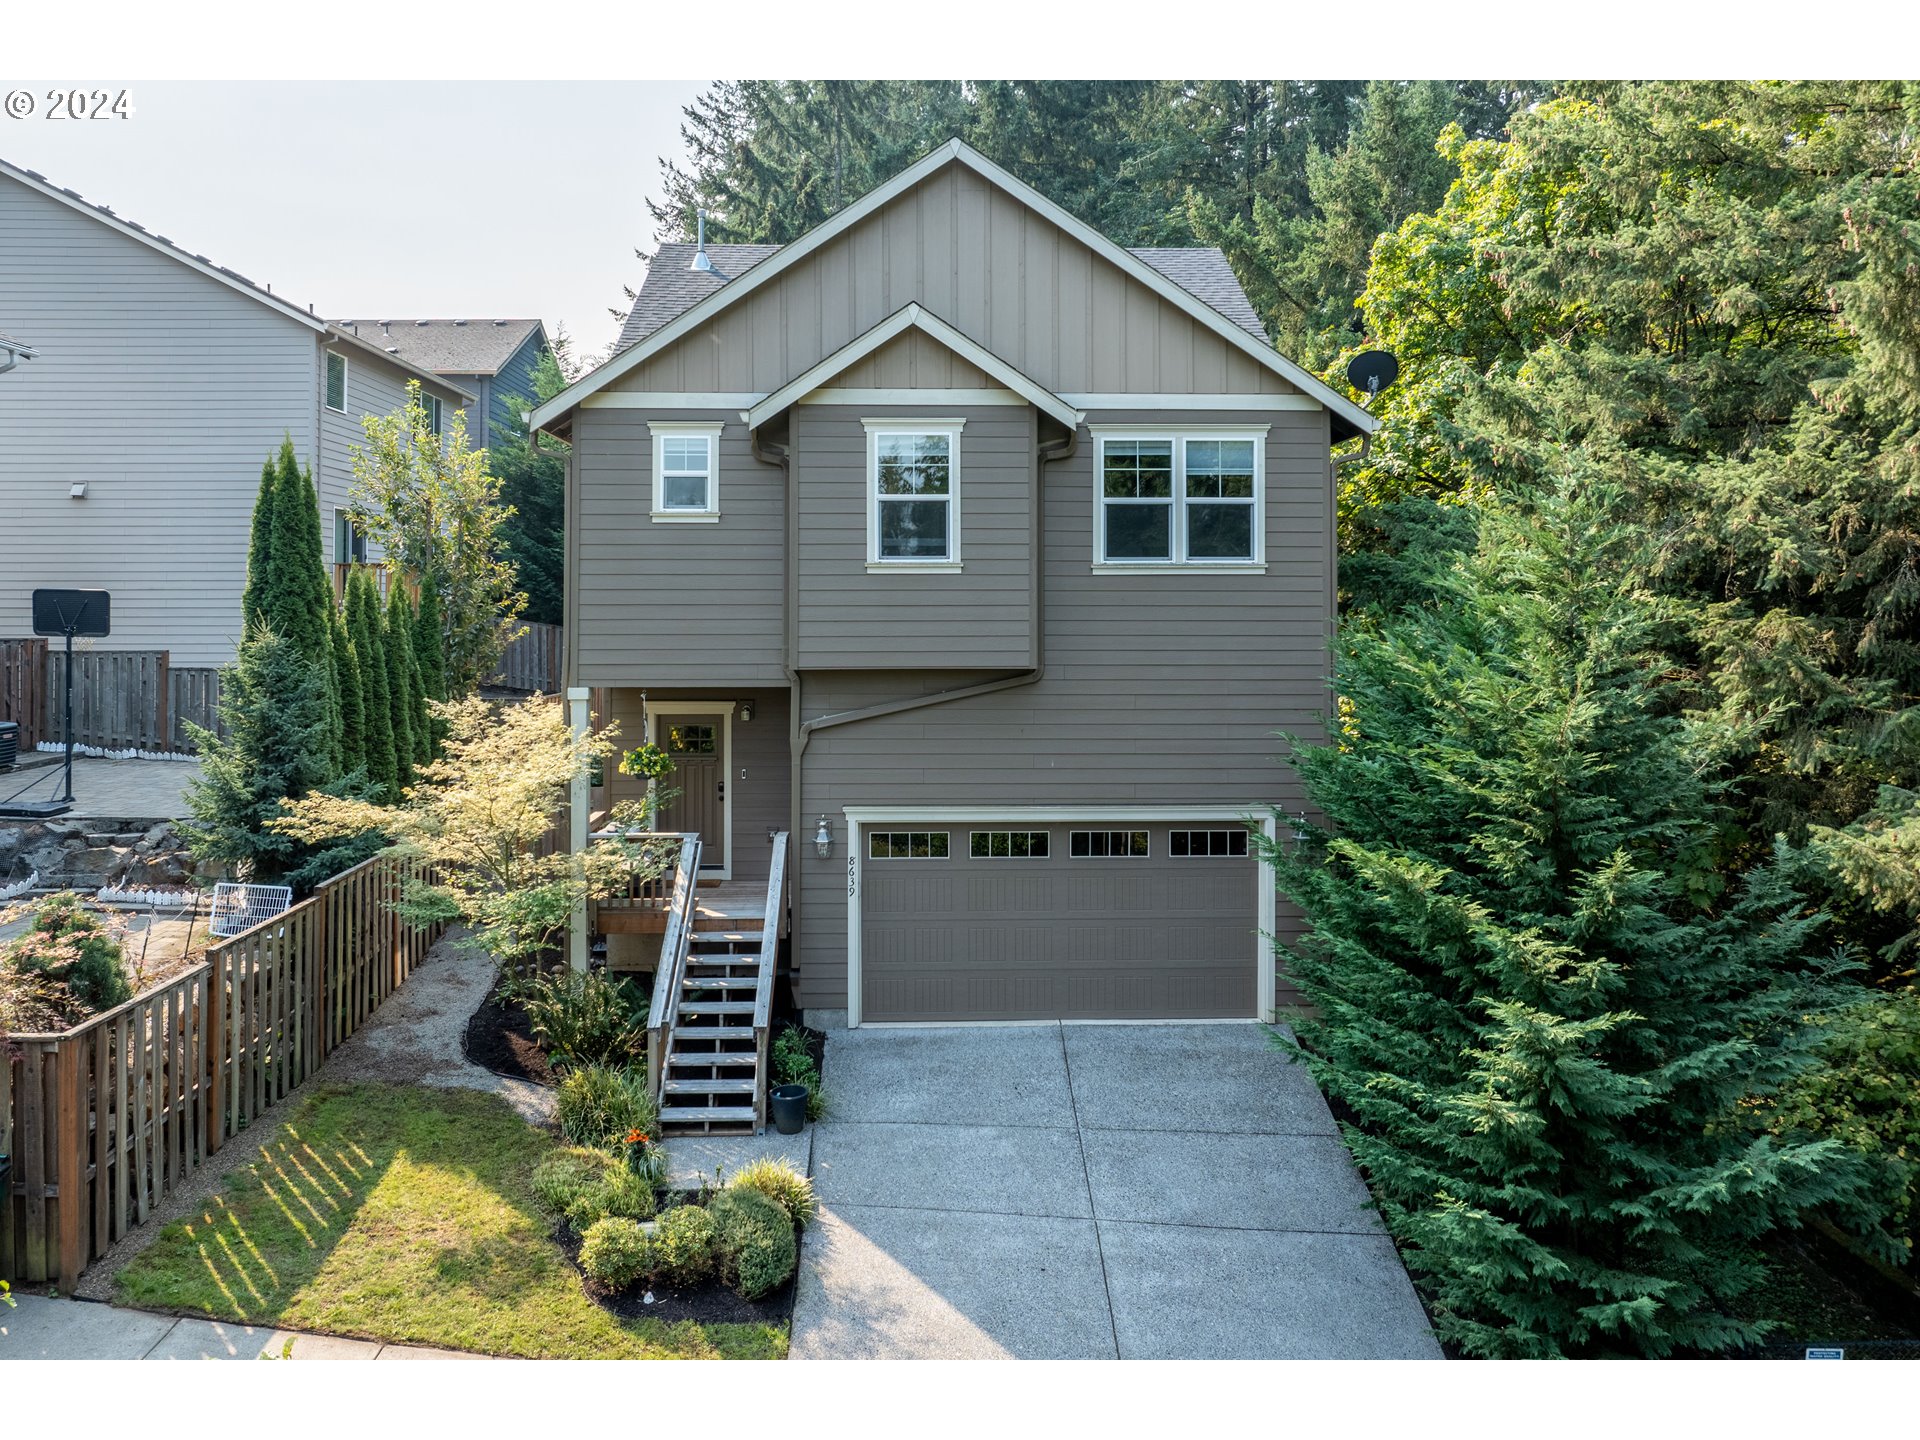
[{"x": 634, "y": 1137}]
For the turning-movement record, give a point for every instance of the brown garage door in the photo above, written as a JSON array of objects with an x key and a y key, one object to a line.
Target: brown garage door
[{"x": 1136, "y": 922}]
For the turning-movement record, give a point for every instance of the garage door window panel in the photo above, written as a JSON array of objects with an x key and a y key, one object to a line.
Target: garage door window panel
[
  {"x": 1109, "y": 845},
  {"x": 1008, "y": 845},
  {"x": 908, "y": 844},
  {"x": 1207, "y": 844}
]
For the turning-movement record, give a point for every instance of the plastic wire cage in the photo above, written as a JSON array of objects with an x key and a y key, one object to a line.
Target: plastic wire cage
[{"x": 241, "y": 907}]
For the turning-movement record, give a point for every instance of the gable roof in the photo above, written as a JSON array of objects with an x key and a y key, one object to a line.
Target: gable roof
[
  {"x": 673, "y": 285},
  {"x": 450, "y": 347},
  {"x": 1204, "y": 273},
  {"x": 232, "y": 279},
  {"x": 913, "y": 317},
  {"x": 955, "y": 151}
]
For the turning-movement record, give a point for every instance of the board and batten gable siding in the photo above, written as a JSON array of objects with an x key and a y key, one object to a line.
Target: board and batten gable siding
[
  {"x": 1161, "y": 690},
  {"x": 667, "y": 604},
  {"x": 162, "y": 389},
  {"x": 980, "y": 615},
  {"x": 985, "y": 263}
]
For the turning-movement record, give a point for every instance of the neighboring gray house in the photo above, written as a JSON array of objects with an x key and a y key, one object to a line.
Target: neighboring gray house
[
  {"x": 494, "y": 360},
  {"x": 989, "y": 553},
  {"x": 131, "y": 444}
]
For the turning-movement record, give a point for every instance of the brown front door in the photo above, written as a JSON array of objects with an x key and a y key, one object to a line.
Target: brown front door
[{"x": 699, "y": 776}]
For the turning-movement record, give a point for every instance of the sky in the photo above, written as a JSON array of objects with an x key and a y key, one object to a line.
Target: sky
[{"x": 376, "y": 199}]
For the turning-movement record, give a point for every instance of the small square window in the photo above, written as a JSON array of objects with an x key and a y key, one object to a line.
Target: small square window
[{"x": 686, "y": 482}]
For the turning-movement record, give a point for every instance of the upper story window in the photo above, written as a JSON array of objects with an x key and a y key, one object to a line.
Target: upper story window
[
  {"x": 686, "y": 471},
  {"x": 436, "y": 413},
  {"x": 1179, "y": 499},
  {"x": 913, "y": 494},
  {"x": 336, "y": 381}
]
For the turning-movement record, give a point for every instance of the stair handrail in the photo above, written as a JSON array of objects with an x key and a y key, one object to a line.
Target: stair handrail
[
  {"x": 670, "y": 974},
  {"x": 763, "y": 985}
]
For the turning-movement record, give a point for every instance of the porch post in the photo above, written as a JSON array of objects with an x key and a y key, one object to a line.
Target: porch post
[{"x": 582, "y": 801}]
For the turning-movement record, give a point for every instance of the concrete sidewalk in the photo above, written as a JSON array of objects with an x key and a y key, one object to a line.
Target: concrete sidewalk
[{"x": 43, "y": 1329}]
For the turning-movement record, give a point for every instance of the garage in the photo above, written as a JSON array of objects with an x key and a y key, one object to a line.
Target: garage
[{"x": 1010, "y": 919}]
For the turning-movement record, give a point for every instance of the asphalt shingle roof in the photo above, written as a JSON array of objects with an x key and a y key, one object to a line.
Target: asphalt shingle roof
[
  {"x": 448, "y": 347},
  {"x": 673, "y": 287}
]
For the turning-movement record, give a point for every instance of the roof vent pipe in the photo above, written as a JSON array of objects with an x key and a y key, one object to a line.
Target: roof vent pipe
[{"x": 700, "y": 260}]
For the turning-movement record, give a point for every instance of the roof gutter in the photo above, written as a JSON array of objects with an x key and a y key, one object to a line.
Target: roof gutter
[{"x": 336, "y": 335}]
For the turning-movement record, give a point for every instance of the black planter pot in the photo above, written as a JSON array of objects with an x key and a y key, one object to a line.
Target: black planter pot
[{"x": 789, "y": 1108}]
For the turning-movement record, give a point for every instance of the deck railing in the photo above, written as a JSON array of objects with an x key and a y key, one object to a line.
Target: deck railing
[{"x": 776, "y": 913}]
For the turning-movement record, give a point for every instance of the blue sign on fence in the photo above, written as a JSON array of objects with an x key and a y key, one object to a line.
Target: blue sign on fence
[{"x": 1826, "y": 1352}]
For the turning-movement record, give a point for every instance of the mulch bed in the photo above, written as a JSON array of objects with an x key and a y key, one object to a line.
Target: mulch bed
[
  {"x": 709, "y": 1302},
  {"x": 499, "y": 1039}
]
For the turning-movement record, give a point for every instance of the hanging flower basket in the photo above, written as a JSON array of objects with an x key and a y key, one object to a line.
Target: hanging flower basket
[{"x": 649, "y": 761}]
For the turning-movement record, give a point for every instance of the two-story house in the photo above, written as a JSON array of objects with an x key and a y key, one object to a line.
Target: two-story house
[
  {"x": 492, "y": 360},
  {"x": 131, "y": 443},
  {"x": 985, "y": 557}
]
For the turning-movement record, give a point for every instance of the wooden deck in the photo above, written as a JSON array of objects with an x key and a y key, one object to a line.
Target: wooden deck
[{"x": 717, "y": 905}]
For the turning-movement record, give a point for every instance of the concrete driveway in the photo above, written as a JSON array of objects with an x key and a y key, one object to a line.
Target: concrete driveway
[{"x": 1079, "y": 1191}]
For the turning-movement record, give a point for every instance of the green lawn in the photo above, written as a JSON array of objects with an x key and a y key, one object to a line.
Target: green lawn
[{"x": 403, "y": 1214}]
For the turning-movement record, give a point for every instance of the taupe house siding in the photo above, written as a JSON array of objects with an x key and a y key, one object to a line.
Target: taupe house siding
[
  {"x": 673, "y": 604},
  {"x": 980, "y": 615},
  {"x": 164, "y": 391},
  {"x": 983, "y": 262},
  {"x": 1162, "y": 689}
]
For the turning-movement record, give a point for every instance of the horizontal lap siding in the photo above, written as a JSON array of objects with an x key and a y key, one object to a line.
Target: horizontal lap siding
[
  {"x": 373, "y": 388},
  {"x": 979, "y": 616},
  {"x": 667, "y": 604},
  {"x": 981, "y": 260},
  {"x": 165, "y": 391},
  {"x": 1159, "y": 690}
]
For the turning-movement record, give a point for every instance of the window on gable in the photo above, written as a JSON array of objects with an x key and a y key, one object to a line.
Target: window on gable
[
  {"x": 1179, "y": 500},
  {"x": 912, "y": 481},
  {"x": 336, "y": 382},
  {"x": 686, "y": 472}
]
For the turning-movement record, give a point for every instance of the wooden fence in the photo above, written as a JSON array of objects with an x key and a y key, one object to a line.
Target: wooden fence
[
  {"x": 122, "y": 699},
  {"x": 532, "y": 662},
  {"x": 104, "y": 1121}
]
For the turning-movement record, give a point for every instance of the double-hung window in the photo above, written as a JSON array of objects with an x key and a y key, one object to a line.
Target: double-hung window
[
  {"x": 336, "y": 381},
  {"x": 913, "y": 494},
  {"x": 1172, "y": 499},
  {"x": 686, "y": 471}
]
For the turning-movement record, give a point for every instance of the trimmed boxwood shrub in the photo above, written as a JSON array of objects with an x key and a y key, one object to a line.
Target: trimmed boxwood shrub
[
  {"x": 753, "y": 1239},
  {"x": 616, "y": 1252},
  {"x": 684, "y": 1245}
]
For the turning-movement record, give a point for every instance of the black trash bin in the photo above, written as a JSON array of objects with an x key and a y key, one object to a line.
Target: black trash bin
[
  {"x": 789, "y": 1108},
  {"x": 9, "y": 744}
]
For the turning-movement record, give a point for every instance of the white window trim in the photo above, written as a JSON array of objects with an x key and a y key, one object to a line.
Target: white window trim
[
  {"x": 861, "y": 818},
  {"x": 346, "y": 381},
  {"x": 1177, "y": 437},
  {"x": 662, "y": 431},
  {"x": 890, "y": 425}
]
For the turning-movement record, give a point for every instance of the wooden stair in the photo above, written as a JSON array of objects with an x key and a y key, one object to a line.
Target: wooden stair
[{"x": 707, "y": 1043}]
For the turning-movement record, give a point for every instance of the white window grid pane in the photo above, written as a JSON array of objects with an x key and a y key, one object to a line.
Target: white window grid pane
[{"x": 686, "y": 458}]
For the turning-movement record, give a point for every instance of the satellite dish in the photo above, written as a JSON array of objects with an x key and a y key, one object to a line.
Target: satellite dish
[{"x": 1372, "y": 371}]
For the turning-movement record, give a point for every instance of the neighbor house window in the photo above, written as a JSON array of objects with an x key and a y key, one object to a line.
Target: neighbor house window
[
  {"x": 1179, "y": 499},
  {"x": 1206, "y": 844},
  {"x": 686, "y": 471},
  {"x": 1008, "y": 845},
  {"x": 349, "y": 545},
  {"x": 1108, "y": 845},
  {"x": 907, "y": 844},
  {"x": 336, "y": 382},
  {"x": 913, "y": 487},
  {"x": 431, "y": 404}
]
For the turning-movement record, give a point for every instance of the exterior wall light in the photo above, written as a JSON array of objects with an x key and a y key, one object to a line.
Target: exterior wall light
[
  {"x": 746, "y": 712},
  {"x": 823, "y": 838}
]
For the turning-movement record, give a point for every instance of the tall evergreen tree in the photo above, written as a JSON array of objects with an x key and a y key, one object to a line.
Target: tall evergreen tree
[
  {"x": 353, "y": 707},
  {"x": 275, "y": 713},
  {"x": 366, "y": 629},
  {"x": 253, "y": 600},
  {"x": 298, "y": 600},
  {"x": 1552, "y": 1022},
  {"x": 533, "y": 484},
  {"x": 403, "y": 680},
  {"x": 430, "y": 655}
]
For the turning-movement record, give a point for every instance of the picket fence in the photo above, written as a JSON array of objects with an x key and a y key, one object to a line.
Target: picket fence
[{"x": 105, "y": 1121}]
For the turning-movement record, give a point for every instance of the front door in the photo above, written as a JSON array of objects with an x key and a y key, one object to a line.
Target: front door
[{"x": 699, "y": 779}]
